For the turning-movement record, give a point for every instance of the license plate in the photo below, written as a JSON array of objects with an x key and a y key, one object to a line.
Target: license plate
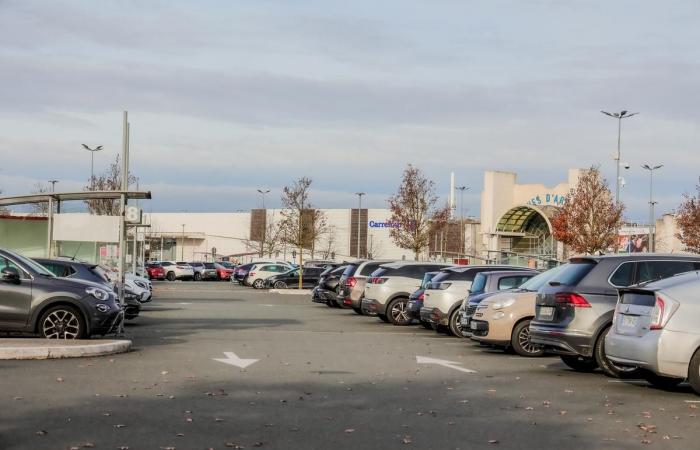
[
  {"x": 473, "y": 325},
  {"x": 341, "y": 293},
  {"x": 630, "y": 321},
  {"x": 546, "y": 313}
]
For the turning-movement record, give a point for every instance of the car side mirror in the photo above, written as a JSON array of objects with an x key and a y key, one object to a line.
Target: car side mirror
[{"x": 10, "y": 275}]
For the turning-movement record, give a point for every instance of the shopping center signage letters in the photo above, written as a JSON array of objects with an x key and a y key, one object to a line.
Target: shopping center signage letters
[
  {"x": 548, "y": 199},
  {"x": 387, "y": 224}
]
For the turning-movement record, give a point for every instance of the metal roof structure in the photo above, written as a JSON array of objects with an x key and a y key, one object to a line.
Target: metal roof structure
[{"x": 70, "y": 196}]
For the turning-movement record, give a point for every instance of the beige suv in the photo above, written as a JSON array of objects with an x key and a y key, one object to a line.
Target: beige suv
[{"x": 503, "y": 320}]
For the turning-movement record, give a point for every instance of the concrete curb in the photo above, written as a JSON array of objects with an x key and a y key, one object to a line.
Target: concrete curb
[
  {"x": 54, "y": 349},
  {"x": 290, "y": 291}
]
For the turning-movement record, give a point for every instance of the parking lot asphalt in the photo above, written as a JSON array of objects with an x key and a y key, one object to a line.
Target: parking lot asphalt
[{"x": 320, "y": 378}]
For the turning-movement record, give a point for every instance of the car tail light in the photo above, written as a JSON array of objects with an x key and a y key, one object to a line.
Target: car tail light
[
  {"x": 251, "y": 274},
  {"x": 379, "y": 280},
  {"x": 657, "y": 314},
  {"x": 351, "y": 282},
  {"x": 421, "y": 297},
  {"x": 570, "y": 298}
]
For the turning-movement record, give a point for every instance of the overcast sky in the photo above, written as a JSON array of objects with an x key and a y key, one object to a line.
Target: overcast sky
[{"x": 226, "y": 97}]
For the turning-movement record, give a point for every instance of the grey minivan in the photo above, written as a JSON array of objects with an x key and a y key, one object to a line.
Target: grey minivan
[
  {"x": 657, "y": 328},
  {"x": 574, "y": 311}
]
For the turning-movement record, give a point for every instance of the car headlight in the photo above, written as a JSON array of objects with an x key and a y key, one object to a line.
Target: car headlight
[
  {"x": 140, "y": 284},
  {"x": 99, "y": 294},
  {"x": 503, "y": 304}
]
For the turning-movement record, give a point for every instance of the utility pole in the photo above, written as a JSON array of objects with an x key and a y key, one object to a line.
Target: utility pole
[
  {"x": 619, "y": 116},
  {"x": 359, "y": 221},
  {"x": 122, "y": 202},
  {"x": 652, "y": 219},
  {"x": 92, "y": 160},
  {"x": 182, "y": 251},
  {"x": 461, "y": 190},
  {"x": 263, "y": 192}
]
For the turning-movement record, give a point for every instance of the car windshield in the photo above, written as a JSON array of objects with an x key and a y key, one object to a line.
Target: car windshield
[
  {"x": 209, "y": 266},
  {"x": 34, "y": 266},
  {"x": 535, "y": 283}
]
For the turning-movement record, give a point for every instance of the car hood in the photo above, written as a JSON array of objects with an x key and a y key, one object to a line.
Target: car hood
[{"x": 77, "y": 284}]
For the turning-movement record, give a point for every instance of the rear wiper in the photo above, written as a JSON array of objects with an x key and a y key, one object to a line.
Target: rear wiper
[{"x": 555, "y": 283}]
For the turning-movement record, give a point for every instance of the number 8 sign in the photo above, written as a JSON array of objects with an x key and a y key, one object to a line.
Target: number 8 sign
[{"x": 132, "y": 214}]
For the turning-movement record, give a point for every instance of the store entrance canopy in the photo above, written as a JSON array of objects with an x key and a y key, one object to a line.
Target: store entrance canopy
[{"x": 70, "y": 196}]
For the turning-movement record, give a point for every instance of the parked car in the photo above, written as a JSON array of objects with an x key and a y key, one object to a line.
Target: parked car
[
  {"x": 79, "y": 270},
  {"x": 485, "y": 286},
  {"x": 575, "y": 309},
  {"x": 33, "y": 300},
  {"x": 656, "y": 329},
  {"x": 261, "y": 271},
  {"x": 155, "y": 271},
  {"x": 240, "y": 273},
  {"x": 204, "y": 271},
  {"x": 318, "y": 294},
  {"x": 503, "y": 320},
  {"x": 290, "y": 279},
  {"x": 140, "y": 287},
  {"x": 352, "y": 286},
  {"x": 329, "y": 285},
  {"x": 388, "y": 288},
  {"x": 415, "y": 302},
  {"x": 222, "y": 272},
  {"x": 446, "y": 292},
  {"x": 177, "y": 271}
]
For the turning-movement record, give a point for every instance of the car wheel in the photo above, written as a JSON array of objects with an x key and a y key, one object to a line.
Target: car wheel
[
  {"x": 197, "y": 276},
  {"x": 454, "y": 325},
  {"x": 280, "y": 285},
  {"x": 397, "y": 312},
  {"x": 62, "y": 322},
  {"x": 579, "y": 363},
  {"x": 608, "y": 367},
  {"x": 520, "y": 341},
  {"x": 170, "y": 276},
  {"x": 258, "y": 284},
  {"x": 694, "y": 372},
  {"x": 661, "y": 381},
  {"x": 383, "y": 317},
  {"x": 357, "y": 310}
]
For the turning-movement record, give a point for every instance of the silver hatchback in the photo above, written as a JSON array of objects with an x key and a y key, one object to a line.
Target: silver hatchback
[{"x": 656, "y": 327}]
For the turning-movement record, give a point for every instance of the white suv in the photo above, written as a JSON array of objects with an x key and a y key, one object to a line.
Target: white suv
[
  {"x": 259, "y": 272},
  {"x": 388, "y": 288},
  {"x": 177, "y": 271},
  {"x": 444, "y": 294}
]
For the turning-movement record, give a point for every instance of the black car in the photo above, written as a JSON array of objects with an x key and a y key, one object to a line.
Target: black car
[
  {"x": 79, "y": 270},
  {"x": 318, "y": 295},
  {"x": 415, "y": 301},
  {"x": 290, "y": 280},
  {"x": 329, "y": 285},
  {"x": 574, "y": 311},
  {"x": 33, "y": 300}
]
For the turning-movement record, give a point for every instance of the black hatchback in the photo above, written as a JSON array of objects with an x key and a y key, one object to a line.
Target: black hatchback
[
  {"x": 574, "y": 311},
  {"x": 33, "y": 300}
]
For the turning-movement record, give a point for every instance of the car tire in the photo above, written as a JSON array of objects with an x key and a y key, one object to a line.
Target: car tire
[
  {"x": 660, "y": 381},
  {"x": 579, "y": 363},
  {"x": 358, "y": 310},
  {"x": 396, "y": 310},
  {"x": 170, "y": 276},
  {"x": 520, "y": 341},
  {"x": 608, "y": 367},
  {"x": 258, "y": 284},
  {"x": 197, "y": 276},
  {"x": 454, "y": 327},
  {"x": 383, "y": 317},
  {"x": 426, "y": 325},
  {"x": 280, "y": 285},
  {"x": 72, "y": 323},
  {"x": 694, "y": 372}
]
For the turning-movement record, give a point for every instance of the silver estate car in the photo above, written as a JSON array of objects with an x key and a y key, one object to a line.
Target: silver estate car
[{"x": 656, "y": 327}]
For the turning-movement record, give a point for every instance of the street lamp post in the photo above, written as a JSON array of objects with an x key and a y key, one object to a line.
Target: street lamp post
[
  {"x": 92, "y": 160},
  {"x": 359, "y": 220},
  {"x": 619, "y": 116},
  {"x": 652, "y": 221},
  {"x": 461, "y": 190},
  {"x": 263, "y": 192},
  {"x": 182, "y": 252},
  {"x": 53, "y": 185}
]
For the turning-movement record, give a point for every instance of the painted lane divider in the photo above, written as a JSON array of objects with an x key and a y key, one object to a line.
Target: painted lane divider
[
  {"x": 442, "y": 362},
  {"x": 233, "y": 360}
]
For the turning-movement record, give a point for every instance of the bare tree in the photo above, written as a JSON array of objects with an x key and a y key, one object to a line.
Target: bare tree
[
  {"x": 688, "y": 219},
  {"x": 301, "y": 224},
  {"x": 589, "y": 221},
  {"x": 271, "y": 241},
  {"x": 328, "y": 250},
  {"x": 110, "y": 180},
  {"x": 414, "y": 212},
  {"x": 43, "y": 207}
]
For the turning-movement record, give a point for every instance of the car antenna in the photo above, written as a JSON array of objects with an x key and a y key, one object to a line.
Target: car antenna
[{"x": 76, "y": 252}]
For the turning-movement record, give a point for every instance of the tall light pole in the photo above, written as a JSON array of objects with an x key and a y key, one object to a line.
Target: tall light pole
[
  {"x": 263, "y": 192},
  {"x": 92, "y": 160},
  {"x": 182, "y": 252},
  {"x": 619, "y": 116},
  {"x": 53, "y": 185},
  {"x": 652, "y": 221},
  {"x": 359, "y": 220},
  {"x": 461, "y": 190}
]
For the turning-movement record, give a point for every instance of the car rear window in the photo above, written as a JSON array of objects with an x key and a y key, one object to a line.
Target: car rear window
[
  {"x": 368, "y": 268},
  {"x": 536, "y": 282},
  {"x": 381, "y": 271},
  {"x": 512, "y": 282},
  {"x": 349, "y": 270},
  {"x": 441, "y": 276},
  {"x": 638, "y": 298},
  {"x": 427, "y": 278},
  {"x": 209, "y": 266},
  {"x": 657, "y": 270},
  {"x": 573, "y": 273},
  {"x": 339, "y": 270},
  {"x": 479, "y": 283}
]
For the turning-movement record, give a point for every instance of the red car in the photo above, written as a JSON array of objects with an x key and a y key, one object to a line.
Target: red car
[
  {"x": 223, "y": 272},
  {"x": 155, "y": 272}
]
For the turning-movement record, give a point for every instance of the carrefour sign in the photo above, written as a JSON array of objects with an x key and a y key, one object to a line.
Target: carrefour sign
[{"x": 387, "y": 224}]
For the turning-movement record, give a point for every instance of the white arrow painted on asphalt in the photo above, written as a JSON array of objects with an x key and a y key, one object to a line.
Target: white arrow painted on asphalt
[
  {"x": 443, "y": 362},
  {"x": 234, "y": 360}
]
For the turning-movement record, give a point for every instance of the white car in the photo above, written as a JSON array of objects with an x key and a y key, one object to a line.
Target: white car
[
  {"x": 140, "y": 286},
  {"x": 177, "y": 270},
  {"x": 259, "y": 272}
]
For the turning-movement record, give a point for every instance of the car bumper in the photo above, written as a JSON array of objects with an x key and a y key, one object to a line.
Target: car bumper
[
  {"x": 107, "y": 323},
  {"x": 317, "y": 295},
  {"x": 433, "y": 316},
  {"x": 413, "y": 308},
  {"x": 561, "y": 341},
  {"x": 370, "y": 306}
]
